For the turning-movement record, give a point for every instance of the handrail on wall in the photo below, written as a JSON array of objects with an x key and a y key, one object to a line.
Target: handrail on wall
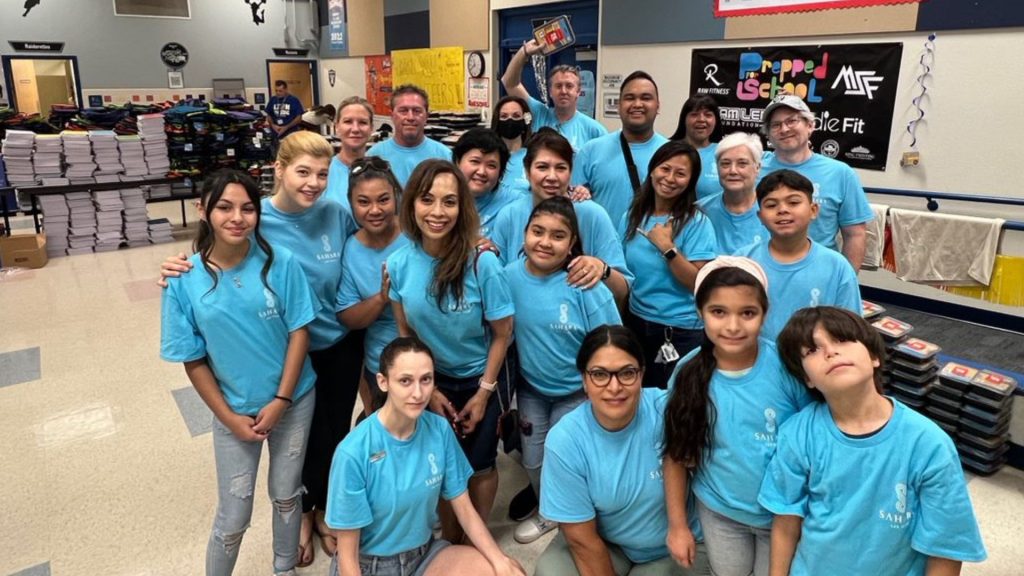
[{"x": 934, "y": 197}]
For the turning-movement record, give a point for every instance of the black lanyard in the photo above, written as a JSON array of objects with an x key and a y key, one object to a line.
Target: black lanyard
[{"x": 627, "y": 154}]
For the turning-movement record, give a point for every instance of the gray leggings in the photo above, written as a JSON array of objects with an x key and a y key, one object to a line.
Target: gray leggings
[
  {"x": 734, "y": 549},
  {"x": 556, "y": 560}
]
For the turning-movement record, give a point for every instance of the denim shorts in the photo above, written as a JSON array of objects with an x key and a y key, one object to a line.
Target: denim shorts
[
  {"x": 480, "y": 447},
  {"x": 409, "y": 563}
]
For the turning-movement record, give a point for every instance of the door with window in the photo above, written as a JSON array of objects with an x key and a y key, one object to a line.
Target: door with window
[{"x": 35, "y": 83}]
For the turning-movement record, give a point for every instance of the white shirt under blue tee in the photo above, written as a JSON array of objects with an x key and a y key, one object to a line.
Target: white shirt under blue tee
[
  {"x": 241, "y": 327},
  {"x": 733, "y": 231},
  {"x": 749, "y": 409},
  {"x": 456, "y": 332},
  {"x": 360, "y": 279},
  {"x": 388, "y": 488},
  {"x": 880, "y": 504},
  {"x": 405, "y": 159},
  {"x": 578, "y": 130},
  {"x": 837, "y": 190},
  {"x": 821, "y": 278},
  {"x": 552, "y": 318},
  {"x": 615, "y": 478},
  {"x": 601, "y": 166}
]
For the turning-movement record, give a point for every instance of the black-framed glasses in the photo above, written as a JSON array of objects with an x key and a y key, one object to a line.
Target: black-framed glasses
[
  {"x": 375, "y": 163},
  {"x": 626, "y": 376}
]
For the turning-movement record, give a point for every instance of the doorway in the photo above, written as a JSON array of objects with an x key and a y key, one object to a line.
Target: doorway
[
  {"x": 35, "y": 83},
  {"x": 301, "y": 76}
]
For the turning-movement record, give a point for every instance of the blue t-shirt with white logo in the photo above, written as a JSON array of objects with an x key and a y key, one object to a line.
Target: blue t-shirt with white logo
[
  {"x": 579, "y": 130},
  {"x": 876, "y": 505},
  {"x": 489, "y": 205},
  {"x": 388, "y": 488},
  {"x": 405, "y": 159},
  {"x": 456, "y": 333},
  {"x": 656, "y": 295},
  {"x": 821, "y": 278},
  {"x": 337, "y": 183},
  {"x": 749, "y": 409},
  {"x": 551, "y": 320},
  {"x": 733, "y": 231},
  {"x": 360, "y": 279},
  {"x": 601, "y": 166},
  {"x": 837, "y": 190},
  {"x": 241, "y": 327},
  {"x": 316, "y": 237},
  {"x": 707, "y": 183},
  {"x": 614, "y": 477}
]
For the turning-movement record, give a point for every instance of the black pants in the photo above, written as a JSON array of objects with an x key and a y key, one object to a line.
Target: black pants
[
  {"x": 337, "y": 384},
  {"x": 652, "y": 337}
]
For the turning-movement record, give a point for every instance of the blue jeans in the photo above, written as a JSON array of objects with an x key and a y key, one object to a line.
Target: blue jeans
[
  {"x": 413, "y": 562},
  {"x": 237, "y": 464},
  {"x": 734, "y": 549},
  {"x": 537, "y": 414}
]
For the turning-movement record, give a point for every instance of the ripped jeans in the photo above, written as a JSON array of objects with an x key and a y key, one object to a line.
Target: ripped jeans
[{"x": 237, "y": 464}]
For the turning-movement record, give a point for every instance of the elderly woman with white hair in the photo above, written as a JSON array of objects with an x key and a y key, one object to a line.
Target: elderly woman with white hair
[{"x": 733, "y": 211}]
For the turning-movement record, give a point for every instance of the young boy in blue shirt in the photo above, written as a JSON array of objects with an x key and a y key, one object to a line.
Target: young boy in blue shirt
[
  {"x": 800, "y": 271},
  {"x": 861, "y": 484}
]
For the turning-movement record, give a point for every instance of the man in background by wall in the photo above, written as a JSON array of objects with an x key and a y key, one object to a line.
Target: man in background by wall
[
  {"x": 410, "y": 145},
  {"x": 284, "y": 111},
  {"x": 842, "y": 205},
  {"x": 602, "y": 164},
  {"x": 564, "y": 87}
]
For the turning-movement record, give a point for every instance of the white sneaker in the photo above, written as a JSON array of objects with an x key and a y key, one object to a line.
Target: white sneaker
[
  {"x": 291, "y": 572},
  {"x": 533, "y": 528}
]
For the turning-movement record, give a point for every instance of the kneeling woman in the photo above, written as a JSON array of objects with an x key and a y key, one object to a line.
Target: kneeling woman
[
  {"x": 602, "y": 473},
  {"x": 387, "y": 476}
]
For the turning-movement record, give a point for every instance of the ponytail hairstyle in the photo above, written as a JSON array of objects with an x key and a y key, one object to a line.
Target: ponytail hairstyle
[
  {"x": 690, "y": 414},
  {"x": 562, "y": 208},
  {"x": 459, "y": 244},
  {"x": 399, "y": 346},
  {"x": 683, "y": 207},
  {"x": 213, "y": 188}
]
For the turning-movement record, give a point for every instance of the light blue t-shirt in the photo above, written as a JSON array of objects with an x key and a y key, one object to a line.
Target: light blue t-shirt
[
  {"x": 388, "y": 488},
  {"x": 822, "y": 278},
  {"x": 596, "y": 231},
  {"x": 316, "y": 237},
  {"x": 733, "y": 231},
  {"x": 360, "y": 279},
  {"x": 614, "y": 477},
  {"x": 514, "y": 179},
  {"x": 837, "y": 190},
  {"x": 241, "y": 327},
  {"x": 601, "y": 167},
  {"x": 551, "y": 320},
  {"x": 404, "y": 159},
  {"x": 656, "y": 295},
  {"x": 875, "y": 505},
  {"x": 489, "y": 205},
  {"x": 457, "y": 335},
  {"x": 579, "y": 130},
  {"x": 337, "y": 183},
  {"x": 708, "y": 184},
  {"x": 749, "y": 409}
]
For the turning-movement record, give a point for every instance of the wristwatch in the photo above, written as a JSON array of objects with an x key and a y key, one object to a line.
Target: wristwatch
[
  {"x": 489, "y": 386},
  {"x": 669, "y": 254},
  {"x": 607, "y": 272}
]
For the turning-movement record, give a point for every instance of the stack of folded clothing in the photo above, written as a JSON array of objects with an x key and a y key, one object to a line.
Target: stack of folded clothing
[
  {"x": 55, "y": 223},
  {"x": 133, "y": 156},
  {"x": 109, "y": 221},
  {"x": 78, "y": 156},
  {"x": 47, "y": 160},
  {"x": 105, "y": 153},
  {"x": 136, "y": 220},
  {"x": 160, "y": 231},
  {"x": 154, "y": 143},
  {"x": 17, "y": 149},
  {"x": 82, "y": 230}
]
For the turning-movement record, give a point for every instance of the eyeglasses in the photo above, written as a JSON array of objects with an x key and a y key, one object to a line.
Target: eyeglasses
[
  {"x": 788, "y": 123},
  {"x": 626, "y": 376},
  {"x": 375, "y": 163}
]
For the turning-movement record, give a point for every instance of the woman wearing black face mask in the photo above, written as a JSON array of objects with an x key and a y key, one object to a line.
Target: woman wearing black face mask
[{"x": 511, "y": 120}]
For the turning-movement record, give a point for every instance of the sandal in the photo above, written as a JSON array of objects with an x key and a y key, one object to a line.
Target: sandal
[
  {"x": 328, "y": 541},
  {"x": 307, "y": 553}
]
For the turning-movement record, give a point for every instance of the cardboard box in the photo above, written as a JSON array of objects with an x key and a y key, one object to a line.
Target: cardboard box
[{"x": 23, "y": 251}]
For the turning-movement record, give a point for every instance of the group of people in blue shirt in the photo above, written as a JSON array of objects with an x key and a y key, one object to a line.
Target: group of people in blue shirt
[{"x": 696, "y": 390}]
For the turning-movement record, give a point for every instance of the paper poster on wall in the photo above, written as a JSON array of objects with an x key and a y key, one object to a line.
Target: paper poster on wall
[
  {"x": 479, "y": 93},
  {"x": 439, "y": 71},
  {"x": 610, "y": 84},
  {"x": 336, "y": 25},
  {"x": 378, "y": 83},
  {"x": 727, "y": 8},
  {"x": 850, "y": 88}
]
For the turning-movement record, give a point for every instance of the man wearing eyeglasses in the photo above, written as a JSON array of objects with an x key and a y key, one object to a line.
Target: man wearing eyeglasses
[
  {"x": 410, "y": 145},
  {"x": 564, "y": 87},
  {"x": 842, "y": 205}
]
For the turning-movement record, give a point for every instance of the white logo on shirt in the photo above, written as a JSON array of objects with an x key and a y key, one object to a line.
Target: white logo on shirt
[
  {"x": 563, "y": 313},
  {"x": 435, "y": 473},
  {"x": 815, "y": 297},
  {"x": 563, "y": 324},
  {"x": 327, "y": 242},
  {"x": 433, "y": 463},
  {"x": 770, "y": 426},
  {"x": 271, "y": 302},
  {"x": 769, "y": 420},
  {"x": 327, "y": 255},
  {"x": 899, "y": 519}
]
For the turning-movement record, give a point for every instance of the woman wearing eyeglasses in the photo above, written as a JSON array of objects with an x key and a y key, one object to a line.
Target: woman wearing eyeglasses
[
  {"x": 353, "y": 126},
  {"x": 602, "y": 476},
  {"x": 733, "y": 211}
]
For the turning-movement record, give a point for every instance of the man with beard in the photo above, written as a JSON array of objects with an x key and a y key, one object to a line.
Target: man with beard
[{"x": 409, "y": 146}]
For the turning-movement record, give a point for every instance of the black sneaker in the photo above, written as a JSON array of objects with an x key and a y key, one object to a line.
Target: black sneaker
[{"x": 523, "y": 504}]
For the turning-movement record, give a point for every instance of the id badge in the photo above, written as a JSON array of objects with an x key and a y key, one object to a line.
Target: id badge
[{"x": 667, "y": 354}]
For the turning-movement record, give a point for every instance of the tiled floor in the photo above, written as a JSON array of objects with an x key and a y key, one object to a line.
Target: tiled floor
[{"x": 105, "y": 466}]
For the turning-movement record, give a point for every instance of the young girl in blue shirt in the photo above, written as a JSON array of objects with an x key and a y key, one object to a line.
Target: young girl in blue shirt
[
  {"x": 552, "y": 318},
  {"x": 728, "y": 398},
  {"x": 239, "y": 326},
  {"x": 666, "y": 240},
  {"x": 388, "y": 475},
  {"x": 457, "y": 300}
]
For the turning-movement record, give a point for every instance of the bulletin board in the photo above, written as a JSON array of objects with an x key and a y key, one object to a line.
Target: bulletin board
[{"x": 439, "y": 71}]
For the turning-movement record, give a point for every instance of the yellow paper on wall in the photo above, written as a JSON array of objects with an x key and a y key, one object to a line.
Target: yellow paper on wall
[{"x": 439, "y": 71}]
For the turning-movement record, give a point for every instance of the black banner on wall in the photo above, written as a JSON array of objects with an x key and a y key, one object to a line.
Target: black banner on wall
[{"x": 850, "y": 88}]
